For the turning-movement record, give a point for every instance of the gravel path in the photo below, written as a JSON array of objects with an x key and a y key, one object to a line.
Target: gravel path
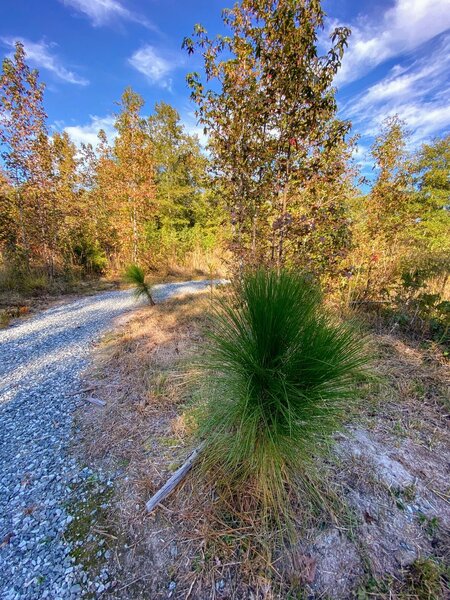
[{"x": 41, "y": 360}]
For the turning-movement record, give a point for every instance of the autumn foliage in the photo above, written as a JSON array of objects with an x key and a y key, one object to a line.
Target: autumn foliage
[
  {"x": 277, "y": 186},
  {"x": 142, "y": 196}
]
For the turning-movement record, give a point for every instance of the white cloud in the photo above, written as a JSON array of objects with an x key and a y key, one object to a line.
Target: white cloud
[
  {"x": 417, "y": 92},
  {"x": 402, "y": 28},
  {"x": 87, "y": 134},
  {"x": 153, "y": 65},
  {"x": 103, "y": 12},
  {"x": 39, "y": 54},
  {"x": 425, "y": 119}
]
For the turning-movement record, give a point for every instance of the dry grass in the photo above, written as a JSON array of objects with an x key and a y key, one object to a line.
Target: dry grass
[{"x": 387, "y": 486}]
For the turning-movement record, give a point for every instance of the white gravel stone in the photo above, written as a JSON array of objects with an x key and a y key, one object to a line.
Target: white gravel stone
[{"x": 41, "y": 361}]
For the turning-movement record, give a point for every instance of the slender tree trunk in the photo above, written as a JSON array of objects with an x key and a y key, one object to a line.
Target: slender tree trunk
[
  {"x": 283, "y": 213},
  {"x": 254, "y": 234},
  {"x": 22, "y": 232},
  {"x": 134, "y": 251},
  {"x": 282, "y": 229}
]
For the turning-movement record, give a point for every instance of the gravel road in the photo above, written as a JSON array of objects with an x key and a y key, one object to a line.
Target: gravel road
[{"x": 41, "y": 360}]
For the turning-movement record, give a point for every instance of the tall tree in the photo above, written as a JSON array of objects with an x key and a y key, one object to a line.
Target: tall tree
[
  {"x": 70, "y": 202},
  {"x": 268, "y": 105},
  {"x": 128, "y": 176},
  {"x": 22, "y": 133},
  {"x": 180, "y": 166},
  {"x": 431, "y": 172},
  {"x": 44, "y": 217},
  {"x": 390, "y": 196},
  {"x": 384, "y": 224}
]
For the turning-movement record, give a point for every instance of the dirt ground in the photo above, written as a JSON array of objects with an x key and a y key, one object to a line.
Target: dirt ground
[{"x": 390, "y": 469}]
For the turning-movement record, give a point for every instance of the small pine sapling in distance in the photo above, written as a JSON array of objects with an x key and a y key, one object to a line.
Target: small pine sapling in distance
[{"x": 136, "y": 276}]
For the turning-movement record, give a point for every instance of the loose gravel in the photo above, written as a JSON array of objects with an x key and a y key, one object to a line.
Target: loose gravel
[{"x": 41, "y": 361}]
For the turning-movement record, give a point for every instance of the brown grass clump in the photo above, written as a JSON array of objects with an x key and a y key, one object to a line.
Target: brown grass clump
[{"x": 138, "y": 373}]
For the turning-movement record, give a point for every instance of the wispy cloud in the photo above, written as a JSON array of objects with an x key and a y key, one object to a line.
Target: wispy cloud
[
  {"x": 418, "y": 92},
  {"x": 87, "y": 134},
  {"x": 401, "y": 29},
  {"x": 104, "y": 12},
  {"x": 40, "y": 55},
  {"x": 156, "y": 67}
]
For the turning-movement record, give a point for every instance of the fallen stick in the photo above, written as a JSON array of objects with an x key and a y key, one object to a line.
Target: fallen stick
[
  {"x": 172, "y": 483},
  {"x": 95, "y": 401}
]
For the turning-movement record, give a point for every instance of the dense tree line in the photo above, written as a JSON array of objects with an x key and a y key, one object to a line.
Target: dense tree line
[
  {"x": 277, "y": 186},
  {"x": 143, "y": 197}
]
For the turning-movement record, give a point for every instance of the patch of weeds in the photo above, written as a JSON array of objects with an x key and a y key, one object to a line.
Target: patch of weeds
[
  {"x": 419, "y": 389},
  {"x": 409, "y": 492},
  {"x": 426, "y": 579},
  {"x": 158, "y": 384},
  {"x": 374, "y": 588},
  {"x": 110, "y": 337},
  {"x": 10, "y": 313},
  {"x": 172, "y": 467},
  {"x": 168, "y": 442},
  {"x": 399, "y": 429},
  {"x": 404, "y": 495},
  {"x": 5, "y": 318},
  {"x": 431, "y": 525}
]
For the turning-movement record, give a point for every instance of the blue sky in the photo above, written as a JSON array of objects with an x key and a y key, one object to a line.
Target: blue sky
[{"x": 88, "y": 51}]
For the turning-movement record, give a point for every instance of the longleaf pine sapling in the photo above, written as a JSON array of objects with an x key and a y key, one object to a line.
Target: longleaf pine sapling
[
  {"x": 136, "y": 275},
  {"x": 279, "y": 379}
]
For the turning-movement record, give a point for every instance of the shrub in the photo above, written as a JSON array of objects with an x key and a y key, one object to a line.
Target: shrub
[
  {"x": 280, "y": 375},
  {"x": 136, "y": 276},
  {"x": 89, "y": 256}
]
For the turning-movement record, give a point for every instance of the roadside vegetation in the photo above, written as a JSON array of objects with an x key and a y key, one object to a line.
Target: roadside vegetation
[
  {"x": 372, "y": 522},
  {"x": 317, "y": 383}
]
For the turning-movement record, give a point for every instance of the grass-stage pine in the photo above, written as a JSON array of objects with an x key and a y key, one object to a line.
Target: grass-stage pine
[
  {"x": 280, "y": 373},
  {"x": 136, "y": 276}
]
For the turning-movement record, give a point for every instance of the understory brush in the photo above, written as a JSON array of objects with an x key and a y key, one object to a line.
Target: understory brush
[
  {"x": 24, "y": 289},
  {"x": 409, "y": 293}
]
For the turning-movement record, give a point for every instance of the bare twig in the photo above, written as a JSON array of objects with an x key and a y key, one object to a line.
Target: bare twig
[
  {"x": 172, "y": 483},
  {"x": 95, "y": 401}
]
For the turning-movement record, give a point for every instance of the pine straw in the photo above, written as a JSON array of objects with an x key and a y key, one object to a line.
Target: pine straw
[{"x": 200, "y": 545}]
